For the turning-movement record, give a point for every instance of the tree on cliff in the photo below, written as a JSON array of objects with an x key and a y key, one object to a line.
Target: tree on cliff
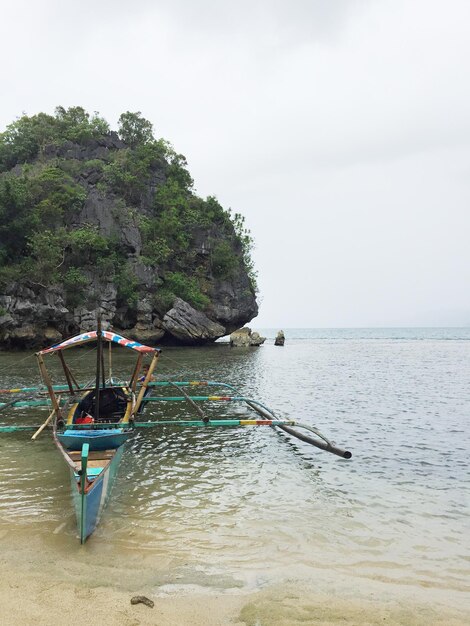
[
  {"x": 134, "y": 129},
  {"x": 85, "y": 211}
]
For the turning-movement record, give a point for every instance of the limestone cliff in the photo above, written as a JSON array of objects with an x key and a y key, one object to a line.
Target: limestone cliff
[{"x": 99, "y": 222}]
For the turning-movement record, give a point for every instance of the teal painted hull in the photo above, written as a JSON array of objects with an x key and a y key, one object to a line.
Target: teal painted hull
[
  {"x": 89, "y": 504},
  {"x": 96, "y": 439}
]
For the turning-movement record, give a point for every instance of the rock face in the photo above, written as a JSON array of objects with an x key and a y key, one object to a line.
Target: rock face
[
  {"x": 244, "y": 337},
  {"x": 190, "y": 326},
  {"x": 34, "y": 315},
  {"x": 280, "y": 339}
]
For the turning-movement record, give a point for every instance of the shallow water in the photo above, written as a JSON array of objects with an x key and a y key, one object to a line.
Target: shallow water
[{"x": 242, "y": 508}]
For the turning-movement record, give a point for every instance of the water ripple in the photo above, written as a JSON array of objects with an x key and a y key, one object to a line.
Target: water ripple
[{"x": 232, "y": 503}]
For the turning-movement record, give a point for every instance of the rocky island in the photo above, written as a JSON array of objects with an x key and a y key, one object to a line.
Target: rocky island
[{"x": 93, "y": 220}]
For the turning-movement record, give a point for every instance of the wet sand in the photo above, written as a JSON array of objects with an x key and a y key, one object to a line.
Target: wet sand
[{"x": 34, "y": 598}]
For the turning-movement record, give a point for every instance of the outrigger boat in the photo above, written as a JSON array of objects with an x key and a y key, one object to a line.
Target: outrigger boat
[
  {"x": 91, "y": 423},
  {"x": 104, "y": 412}
]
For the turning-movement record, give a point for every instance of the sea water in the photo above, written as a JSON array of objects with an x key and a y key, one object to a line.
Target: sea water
[{"x": 233, "y": 510}]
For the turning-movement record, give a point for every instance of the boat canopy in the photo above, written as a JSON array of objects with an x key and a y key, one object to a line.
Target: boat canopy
[{"x": 107, "y": 335}]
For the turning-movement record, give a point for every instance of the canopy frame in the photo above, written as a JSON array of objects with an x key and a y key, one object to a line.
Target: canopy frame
[
  {"x": 106, "y": 335},
  {"x": 99, "y": 336}
]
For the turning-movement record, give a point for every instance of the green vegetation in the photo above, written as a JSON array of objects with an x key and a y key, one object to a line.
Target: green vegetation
[
  {"x": 46, "y": 163},
  {"x": 134, "y": 129},
  {"x": 130, "y": 171},
  {"x": 224, "y": 262},
  {"x": 46, "y": 255},
  {"x": 27, "y": 137},
  {"x": 127, "y": 286},
  {"x": 186, "y": 288},
  {"x": 75, "y": 282},
  {"x": 247, "y": 245}
]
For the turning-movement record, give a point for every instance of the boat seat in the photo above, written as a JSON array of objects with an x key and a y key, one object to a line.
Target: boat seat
[
  {"x": 91, "y": 472},
  {"x": 98, "y": 455}
]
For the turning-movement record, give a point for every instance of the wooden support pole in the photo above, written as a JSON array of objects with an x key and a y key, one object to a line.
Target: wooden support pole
[
  {"x": 98, "y": 367},
  {"x": 103, "y": 373},
  {"x": 110, "y": 363},
  {"x": 41, "y": 428},
  {"x": 74, "y": 380},
  {"x": 135, "y": 373},
  {"x": 143, "y": 389},
  {"x": 66, "y": 372},
  {"x": 48, "y": 383}
]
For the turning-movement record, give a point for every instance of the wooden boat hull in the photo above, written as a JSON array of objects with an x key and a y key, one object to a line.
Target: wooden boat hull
[{"x": 90, "y": 501}]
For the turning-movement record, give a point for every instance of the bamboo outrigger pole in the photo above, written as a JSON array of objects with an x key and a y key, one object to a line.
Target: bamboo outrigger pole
[{"x": 322, "y": 443}]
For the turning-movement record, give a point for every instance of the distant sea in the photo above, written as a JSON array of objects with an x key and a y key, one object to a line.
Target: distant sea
[{"x": 410, "y": 334}]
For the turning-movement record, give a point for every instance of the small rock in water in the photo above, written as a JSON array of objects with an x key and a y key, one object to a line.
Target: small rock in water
[
  {"x": 280, "y": 339},
  {"x": 142, "y": 600},
  {"x": 245, "y": 337}
]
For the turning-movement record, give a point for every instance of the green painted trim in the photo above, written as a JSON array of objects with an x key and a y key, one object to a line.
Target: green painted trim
[
  {"x": 44, "y": 402},
  {"x": 186, "y": 383},
  {"x": 12, "y": 429},
  {"x": 214, "y": 423},
  {"x": 29, "y": 389},
  {"x": 85, "y": 450},
  {"x": 151, "y": 424},
  {"x": 196, "y": 399},
  {"x": 185, "y": 423},
  {"x": 214, "y": 398}
]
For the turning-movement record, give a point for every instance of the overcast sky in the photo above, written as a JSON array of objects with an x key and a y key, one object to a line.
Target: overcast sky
[{"x": 339, "y": 128}]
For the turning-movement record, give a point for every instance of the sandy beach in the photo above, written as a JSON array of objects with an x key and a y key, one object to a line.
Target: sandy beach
[
  {"x": 35, "y": 598},
  {"x": 30, "y": 600}
]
